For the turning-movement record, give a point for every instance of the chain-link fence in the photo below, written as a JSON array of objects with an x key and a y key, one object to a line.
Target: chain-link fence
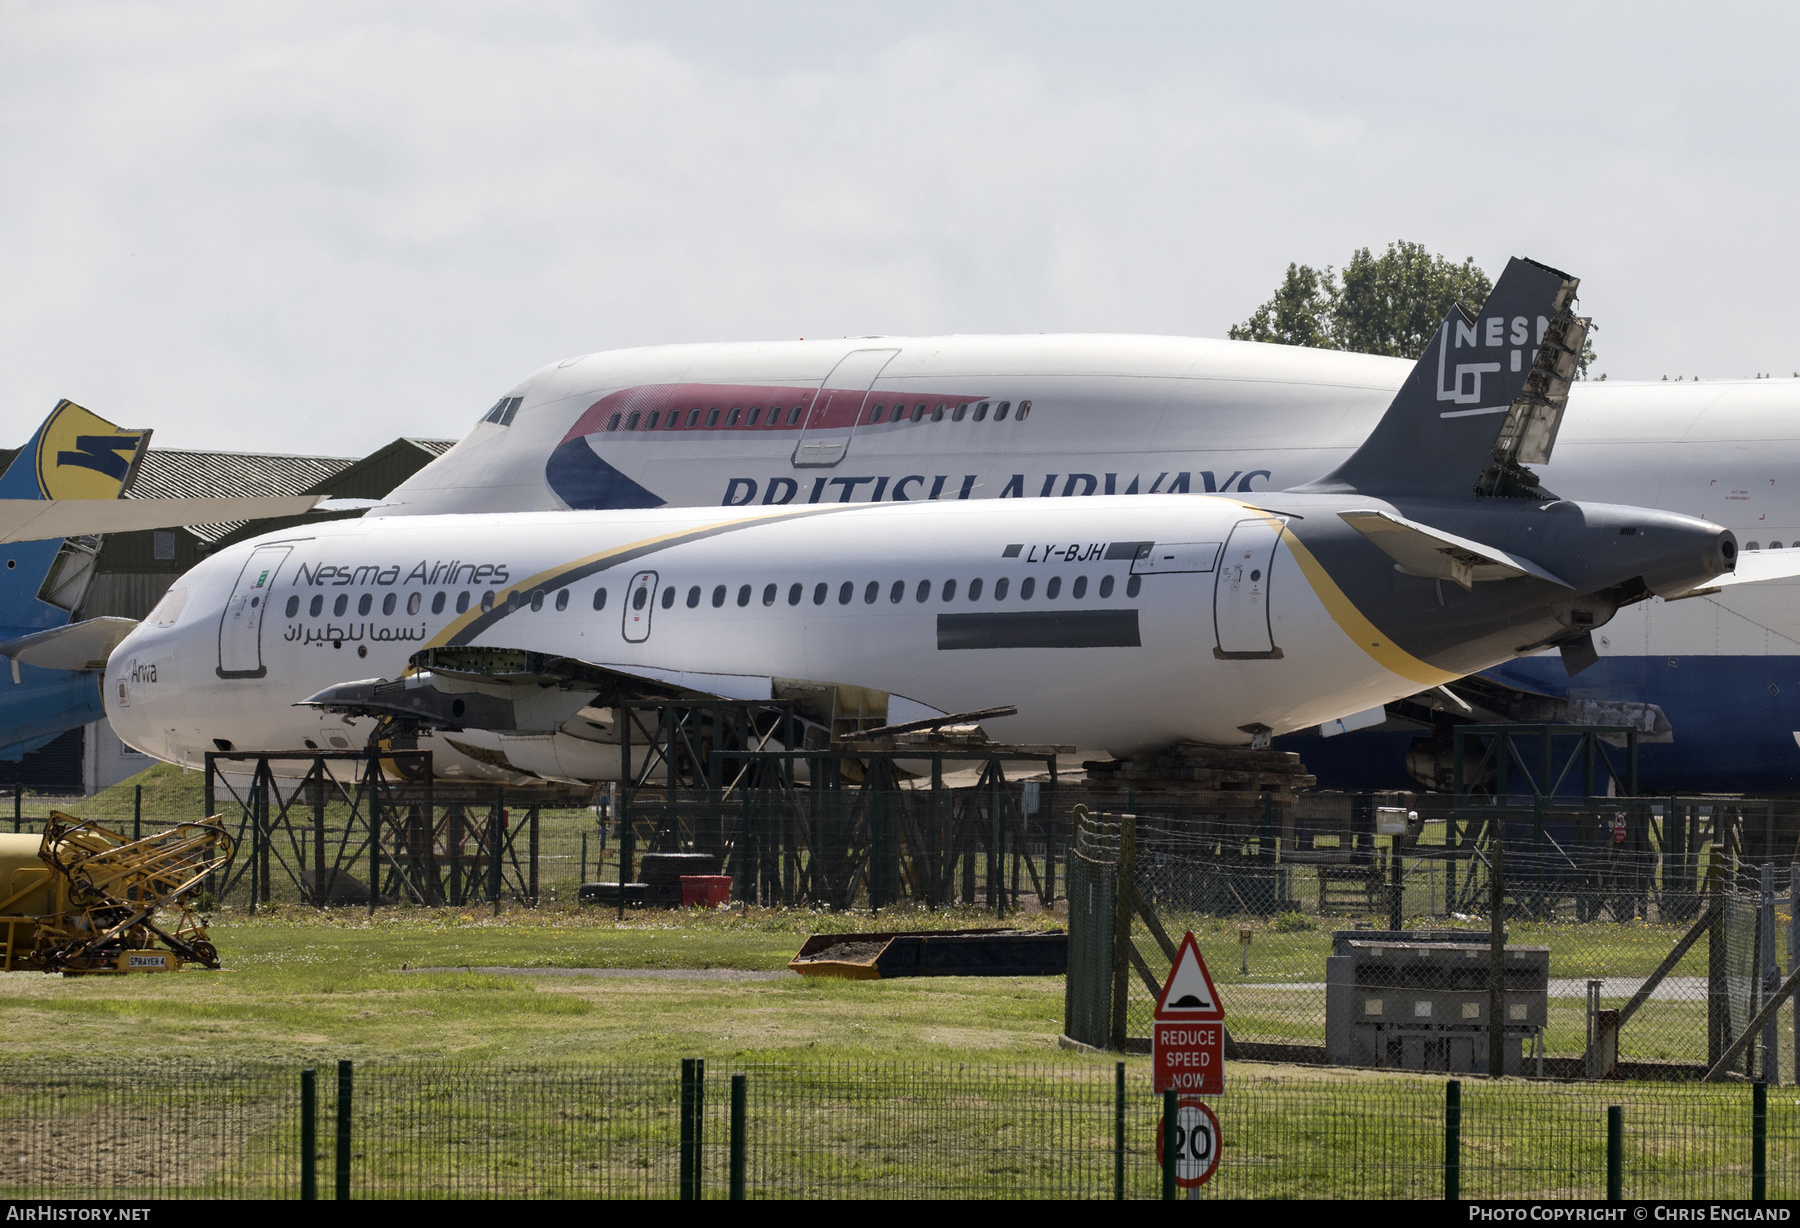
[
  {"x": 1439, "y": 961},
  {"x": 881, "y": 1130}
]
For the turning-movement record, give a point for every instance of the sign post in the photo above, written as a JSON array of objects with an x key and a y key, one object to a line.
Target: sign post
[
  {"x": 1187, "y": 1042},
  {"x": 1187, "y": 1055}
]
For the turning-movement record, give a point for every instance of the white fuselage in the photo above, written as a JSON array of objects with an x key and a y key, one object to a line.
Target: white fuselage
[{"x": 859, "y": 596}]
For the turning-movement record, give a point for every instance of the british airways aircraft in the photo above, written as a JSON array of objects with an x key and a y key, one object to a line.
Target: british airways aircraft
[
  {"x": 1122, "y": 622},
  {"x": 1712, "y": 682}
]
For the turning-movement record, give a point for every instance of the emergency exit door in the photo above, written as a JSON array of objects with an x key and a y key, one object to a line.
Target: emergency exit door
[
  {"x": 640, "y": 603},
  {"x": 1241, "y": 619}
]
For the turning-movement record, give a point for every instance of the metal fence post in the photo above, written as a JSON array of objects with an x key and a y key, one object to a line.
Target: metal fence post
[
  {"x": 497, "y": 844},
  {"x": 739, "y": 1095},
  {"x": 1615, "y": 1153},
  {"x": 1171, "y": 1146},
  {"x": 1122, "y": 895},
  {"x": 1769, "y": 976},
  {"x": 343, "y": 1131},
  {"x": 1119, "y": 1132},
  {"x": 1759, "y": 1141},
  {"x": 1452, "y": 1140},
  {"x": 137, "y": 812},
  {"x": 1497, "y": 951},
  {"x": 309, "y": 1135},
  {"x": 693, "y": 1108}
]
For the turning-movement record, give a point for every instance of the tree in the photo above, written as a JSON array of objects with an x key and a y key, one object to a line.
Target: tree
[{"x": 1388, "y": 304}]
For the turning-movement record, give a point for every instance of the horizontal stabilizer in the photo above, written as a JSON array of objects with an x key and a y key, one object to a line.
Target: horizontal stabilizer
[
  {"x": 83, "y": 645},
  {"x": 1421, "y": 550},
  {"x": 24, "y": 520}
]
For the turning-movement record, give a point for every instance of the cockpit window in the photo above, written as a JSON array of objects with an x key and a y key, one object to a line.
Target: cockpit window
[
  {"x": 169, "y": 608},
  {"x": 503, "y": 411}
]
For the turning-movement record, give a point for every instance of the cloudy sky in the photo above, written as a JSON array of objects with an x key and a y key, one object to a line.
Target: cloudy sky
[{"x": 312, "y": 227}]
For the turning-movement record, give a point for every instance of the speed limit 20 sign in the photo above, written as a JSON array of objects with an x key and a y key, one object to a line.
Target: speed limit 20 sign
[{"x": 1196, "y": 1143}]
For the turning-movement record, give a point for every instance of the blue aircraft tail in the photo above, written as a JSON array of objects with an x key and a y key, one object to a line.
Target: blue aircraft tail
[{"x": 75, "y": 454}]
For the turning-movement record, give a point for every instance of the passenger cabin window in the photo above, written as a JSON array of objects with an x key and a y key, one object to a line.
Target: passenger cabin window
[
  {"x": 650, "y": 422},
  {"x": 1078, "y": 590},
  {"x": 693, "y": 597},
  {"x": 693, "y": 417},
  {"x": 924, "y": 591},
  {"x": 293, "y": 606},
  {"x": 974, "y": 590},
  {"x": 1052, "y": 588},
  {"x": 668, "y": 598},
  {"x": 743, "y": 595},
  {"x": 845, "y": 592},
  {"x": 871, "y": 592},
  {"x": 755, "y": 413},
  {"x": 1106, "y": 587},
  {"x": 315, "y": 606},
  {"x": 612, "y": 423},
  {"x": 413, "y": 601},
  {"x": 794, "y": 593},
  {"x": 949, "y": 590},
  {"x": 1000, "y": 587},
  {"x": 736, "y": 413},
  {"x": 981, "y": 411},
  {"x": 599, "y": 599},
  {"x": 462, "y": 603},
  {"x": 487, "y": 601},
  {"x": 712, "y": 416},
  {"x": 878, "y": 413},
  {"x": 388, "y": 602},
  {"x": 537, "y": 601},
  {"x": 769, "y": 591},
  {"x": 365, "y": 603},
  {"x": 1000, "y": 413},
  {"x": 340, "y": 605},
  {"x": 1025, "y": 587},
  {"x": 437, "y": 603},
  {"x": 794, "y": 414},
  {"x": 1024, "y": 411},
  {"x": 718, "y": 597},
  {"x": 562, "y": 599},
  {"x": 957, "y": 414},
  {"x": 897, "y": 592},
  {"x": 819, "y": 591}
]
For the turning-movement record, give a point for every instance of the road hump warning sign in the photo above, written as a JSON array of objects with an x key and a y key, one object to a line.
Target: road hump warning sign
[{"x": 1189, "y": 993}]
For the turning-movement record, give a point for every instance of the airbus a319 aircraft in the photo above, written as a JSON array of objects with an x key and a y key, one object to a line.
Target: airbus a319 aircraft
[{"x": 507, "y": 640}]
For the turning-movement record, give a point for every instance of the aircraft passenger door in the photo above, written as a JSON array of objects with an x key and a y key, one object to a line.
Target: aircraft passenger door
[
  {"x": 640, "y": 601},
  {"x": 240, "y": 629},
  {"x": 838, "y": 409},
  {"x": 1241, "y": 592}
]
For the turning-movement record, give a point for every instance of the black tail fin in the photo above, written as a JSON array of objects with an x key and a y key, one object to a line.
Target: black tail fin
[{"x": 1485, "y": 398}]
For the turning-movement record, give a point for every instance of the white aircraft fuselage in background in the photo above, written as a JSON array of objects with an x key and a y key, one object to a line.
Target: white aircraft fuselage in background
[{"x": 1141, "y": 415}]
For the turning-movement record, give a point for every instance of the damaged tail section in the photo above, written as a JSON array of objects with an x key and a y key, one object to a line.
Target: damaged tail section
[{"x": 1484, "y": 400}]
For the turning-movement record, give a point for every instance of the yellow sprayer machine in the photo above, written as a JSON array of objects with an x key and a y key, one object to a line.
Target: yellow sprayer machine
[{"x": 83, "y": 898}]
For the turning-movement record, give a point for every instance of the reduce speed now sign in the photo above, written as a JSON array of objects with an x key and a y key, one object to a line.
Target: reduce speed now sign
[{"x": 1187, "y": 1041}]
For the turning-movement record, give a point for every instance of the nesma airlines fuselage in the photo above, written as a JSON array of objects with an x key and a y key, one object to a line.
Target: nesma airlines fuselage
[
  {"x": 1121, "y": 622},
  {"x": 955, "y": 418}
]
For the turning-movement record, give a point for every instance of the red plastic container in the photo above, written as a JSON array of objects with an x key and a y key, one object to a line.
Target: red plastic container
[{"x": 705, "y": 890}]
